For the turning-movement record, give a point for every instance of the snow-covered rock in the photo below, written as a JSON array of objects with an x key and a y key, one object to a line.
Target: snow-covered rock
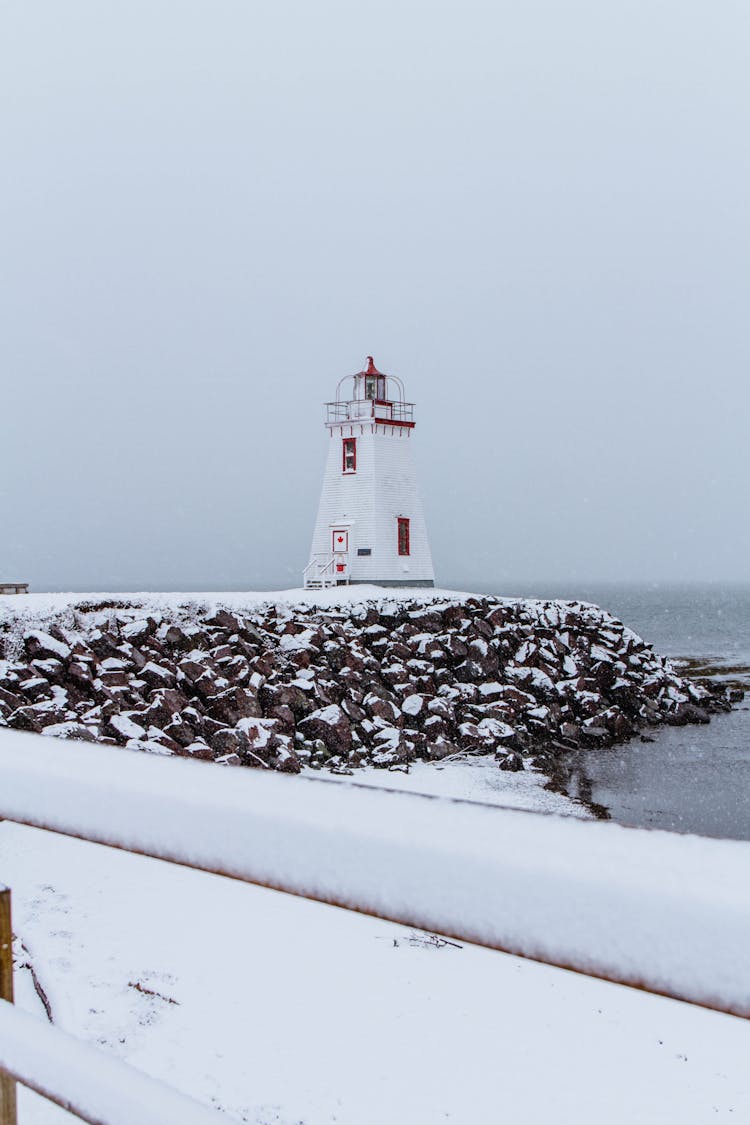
[{"x": 361, "y": 678}]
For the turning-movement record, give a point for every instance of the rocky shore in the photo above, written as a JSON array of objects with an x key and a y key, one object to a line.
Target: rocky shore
[{"x": 378, "y": 681}]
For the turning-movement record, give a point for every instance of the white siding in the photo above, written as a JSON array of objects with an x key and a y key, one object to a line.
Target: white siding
[{"x": 370, "y": 501}]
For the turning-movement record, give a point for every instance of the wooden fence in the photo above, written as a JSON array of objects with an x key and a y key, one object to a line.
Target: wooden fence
[{"x": 668, "y": 914}]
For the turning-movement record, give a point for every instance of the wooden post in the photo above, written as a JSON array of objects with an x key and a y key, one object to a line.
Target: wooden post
[{"x": 8, "y": 1115}]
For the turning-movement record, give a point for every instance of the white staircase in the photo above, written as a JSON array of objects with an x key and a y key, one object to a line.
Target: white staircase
[{"x": 320, "y": 572}]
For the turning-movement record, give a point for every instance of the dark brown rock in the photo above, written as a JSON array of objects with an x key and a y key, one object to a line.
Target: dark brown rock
[
  {"x": 331, "y": 726},
  {"x": 233, "y": 704},
  {"x": 26, "y": 718}
]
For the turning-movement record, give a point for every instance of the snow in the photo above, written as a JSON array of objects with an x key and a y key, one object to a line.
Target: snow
[
  {"x": 541, "y": 679},
  {"x": 288, "y": 1011},
  {"x": 126, "y": 727},
  {"x": 33, "y": 682},
  {"x": 50, "y": 643},
  {"x": 387, "y": 738},
  {"x": 259, "y": 729},
  {"x": 296, "y": 642},
  {"x": 671, "y": 913},
  {"x": 41, "y": 607},
  {"x": 24, "y": 611},
  {"x": 412, "y": 705},
  {"x": 135, "y": 629},
  {"x": 331, "y": 715},
  {"x": 77, "y": 1076},
  {"x": 46, "y": 666},
  {"x": 63, "y": 730},
  {"x": 475, "y": 779},
  {"x": 157, "y": 670},
  {"x": 494, "y": 731}
]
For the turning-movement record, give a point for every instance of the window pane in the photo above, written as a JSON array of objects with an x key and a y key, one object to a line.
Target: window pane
[
  {"x": 403, "y": 536},
  {"x": 350, "y": 455}
]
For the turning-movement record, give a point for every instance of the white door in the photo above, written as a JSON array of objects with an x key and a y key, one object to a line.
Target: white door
[{"x": 340, "y": 547}]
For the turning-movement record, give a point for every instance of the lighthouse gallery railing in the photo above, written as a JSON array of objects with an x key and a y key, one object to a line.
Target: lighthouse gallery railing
[
  {"x": 665, "y": 913},
  {"x": 357, "y": 410}
]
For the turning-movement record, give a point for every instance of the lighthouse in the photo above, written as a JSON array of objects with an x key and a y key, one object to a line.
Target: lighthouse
[{"x": 370, "y": 525}]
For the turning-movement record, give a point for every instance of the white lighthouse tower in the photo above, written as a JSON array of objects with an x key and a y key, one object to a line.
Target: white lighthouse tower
[{"x": 370, "y": 525}]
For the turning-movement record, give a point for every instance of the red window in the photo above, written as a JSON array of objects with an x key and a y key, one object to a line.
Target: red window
[
  {"x": 403, "y": 537},
  {"x": 349, "y": 460}
]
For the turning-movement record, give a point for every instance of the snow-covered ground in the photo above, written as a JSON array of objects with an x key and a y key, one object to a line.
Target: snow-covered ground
[
  {"x": 473, "y": 779},
  {"x": 283, "y": 1011},
  {"x": 43, "y": 606}
]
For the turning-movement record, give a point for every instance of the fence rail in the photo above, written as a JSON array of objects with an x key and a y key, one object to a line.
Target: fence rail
[
  {"x": 668, "y": 914},
  {"x": 88, "y": 1083}
]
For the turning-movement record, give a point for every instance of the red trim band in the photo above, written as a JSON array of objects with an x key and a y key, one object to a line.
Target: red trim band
[{"x": 394, "y": 422}]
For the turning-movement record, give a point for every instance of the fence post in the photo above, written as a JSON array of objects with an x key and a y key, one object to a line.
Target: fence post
[{"x": 8, "y": 1114}]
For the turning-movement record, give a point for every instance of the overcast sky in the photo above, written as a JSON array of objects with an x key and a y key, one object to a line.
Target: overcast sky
[{"x": 536, "y": 214}]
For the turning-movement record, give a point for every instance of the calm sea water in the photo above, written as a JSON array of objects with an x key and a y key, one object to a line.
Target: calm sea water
[{"x": 690, "y": 779}]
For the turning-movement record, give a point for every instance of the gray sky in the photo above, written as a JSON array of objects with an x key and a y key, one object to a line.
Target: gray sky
[{"x": 536, "y": 214}]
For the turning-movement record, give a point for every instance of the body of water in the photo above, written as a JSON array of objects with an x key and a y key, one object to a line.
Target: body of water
[{"x": 689, "y": 779}]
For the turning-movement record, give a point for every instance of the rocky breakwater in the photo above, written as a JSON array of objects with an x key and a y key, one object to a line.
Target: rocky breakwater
[{"x": 281, "y": 686}]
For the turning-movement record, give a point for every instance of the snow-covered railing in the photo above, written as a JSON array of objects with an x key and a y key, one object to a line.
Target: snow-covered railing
[
  {"x": 661, "y": 911},
  {"x": 88, "y": 1083},
  {"x": 666, "y": 913}
]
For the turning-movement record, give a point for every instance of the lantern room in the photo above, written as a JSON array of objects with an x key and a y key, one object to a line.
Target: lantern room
[
  {"x": 374, "y": 381},
  {"x": 370, "y": 394}
]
